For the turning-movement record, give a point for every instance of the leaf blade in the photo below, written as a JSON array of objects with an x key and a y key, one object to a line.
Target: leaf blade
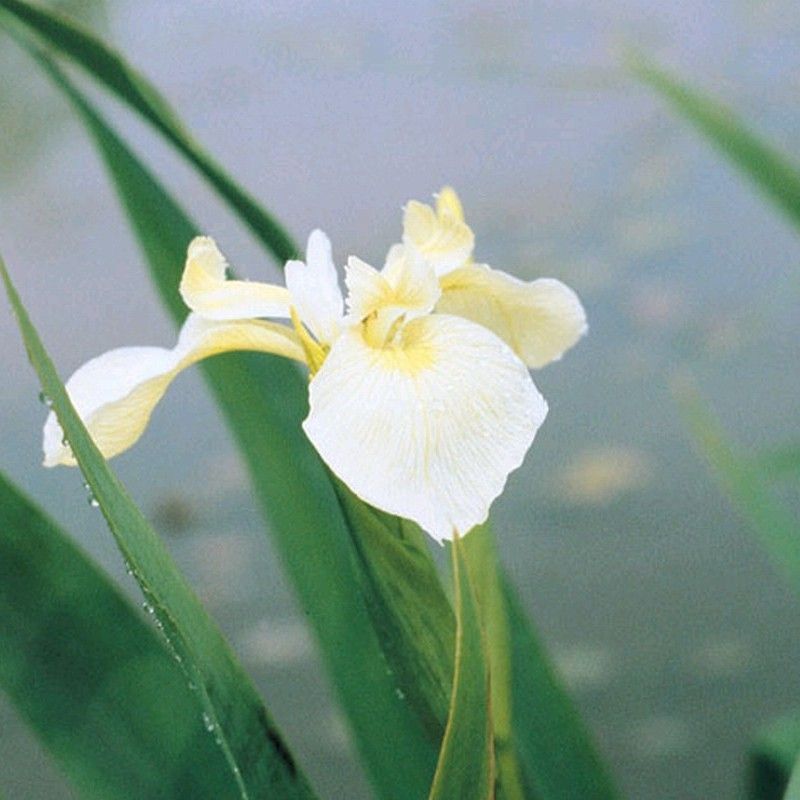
[
  {"x": 259, "y": 760},
  {"x": 743, "y": 483},
  {"x": 69, "y": 643},
  {"x": 111, "y": 69},
  {"x": 466, "y": 761},
  {"x": 770, "y": 170}
]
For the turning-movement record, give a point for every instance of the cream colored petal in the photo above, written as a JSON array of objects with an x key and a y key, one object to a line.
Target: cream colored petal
[
  {"x": 442, "y": 239},
  {"x": 367, "y": 289},
  {"x": 448, "y": 203},
  {"x": 428, "y": 430},
  {"x": 206, "y": 291},
  {"x": 115, "y": 393},
  {"x": 314, "y": 289},
  {"x": 540, "y": 319}
]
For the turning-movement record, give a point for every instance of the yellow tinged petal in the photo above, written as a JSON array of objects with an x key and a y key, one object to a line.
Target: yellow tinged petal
[
  {"x": 206, "y": 291},
  {"x": 449, "y": 204},
  {"x": 115, "y": 393},
  {"x": 444, "y": 240},
  {"x": 540, "y": 320},
  {"x": 428, "y": 429}
]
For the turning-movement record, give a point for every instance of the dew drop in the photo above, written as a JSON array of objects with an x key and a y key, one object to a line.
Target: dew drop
[
  {"x": 148, "y": 608},
  {"x": 45, "y": 400},
  {"x": 401, "y": 695},
  {"x": 208, "y": 722},
  {"x": 90, "y": 498}
]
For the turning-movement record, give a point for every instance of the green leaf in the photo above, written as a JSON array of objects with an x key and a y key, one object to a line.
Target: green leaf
[
  {"x": 743, "y": 482},
  {"x": 408, "y": 607},
  {"x": 108, "y": 66},
  {"x": 258, "y": 758},
  {"x": 466, "y": 762},
  {"x": 781, "y": 462},
  {"x": 777, "y": 176},
  {"x": 94, "y": 681},
  {"x": 775, "y": 753},
  {"x": 793, "y": 790},
  {"x": 264, "y": 400}
]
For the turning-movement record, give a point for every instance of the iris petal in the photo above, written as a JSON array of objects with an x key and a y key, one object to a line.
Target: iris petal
[{"x": 428, "y": 429}]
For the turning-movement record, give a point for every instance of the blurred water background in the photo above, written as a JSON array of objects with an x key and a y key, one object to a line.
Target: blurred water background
[{"x": 664, "y": 615}]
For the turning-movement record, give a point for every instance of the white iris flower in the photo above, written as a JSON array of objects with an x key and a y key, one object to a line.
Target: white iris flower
[{"x": 420, "y": 396}]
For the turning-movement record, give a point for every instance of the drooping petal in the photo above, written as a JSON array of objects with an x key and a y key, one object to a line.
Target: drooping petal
[
  {"x": 428, "y": 429},
  {"x": 314, "y": 289},
  {"x": 206, "y": 290},
  {"x": 115, "y": 393},
  {"x": 540, "y": 320},
  {"x": 442, "y": 238}
]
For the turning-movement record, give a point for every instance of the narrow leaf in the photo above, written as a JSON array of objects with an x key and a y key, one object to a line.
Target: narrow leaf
[
  {"x": 110, "y": 68},
  {"x": 781, "y": 462},
  {"x": 258, "y": 759},
  {"x": 95, "y": 682},
  {"x": 775, "y": 754},
  {"x": 264, "y": 400},
  {"x": 466, "y": 761},
  {"x": 743, "y": 482},
  {"x": 777, "y": 176},
  {"x": 793, "y": 790}
]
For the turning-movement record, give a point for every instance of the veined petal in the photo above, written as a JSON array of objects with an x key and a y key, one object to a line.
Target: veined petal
[
  {"x": 441, "y": 237},
  {"x": 314, "y": 289},
  {"x": 428, "y": 429},
  {"x": 115, "y": 393},
  {"x": 206, "y": 290},
  {"x": 540, "y": 320}
]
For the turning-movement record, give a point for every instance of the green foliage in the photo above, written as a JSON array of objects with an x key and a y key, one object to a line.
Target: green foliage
[
  {"x": 93, "y": 680},
  {"x": 775, "y": 753},
  {"x": 258, "y": 759},
  {"x": 107, "y": 66},
  {"x": 777, "y": 176},
  {"x": 466, "y": 763},
  {"x": 743, "y": 482}
]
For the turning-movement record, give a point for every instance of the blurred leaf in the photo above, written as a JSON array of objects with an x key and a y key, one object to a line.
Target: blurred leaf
[
  {"x": 264, "y": 399},
  {"x": 775, "y": 753},
  {"x": 793, "y": 790},
  {"x": 93, "y": 680},
  {"x": 466, "y": 761},
  {"x": 252, "y": 746},
  {"x": 780, "y": 462},
  {"x": 108, "y": 67},
  {"x": 775, "y": 174},
  {"x": 743, "y": 482}
]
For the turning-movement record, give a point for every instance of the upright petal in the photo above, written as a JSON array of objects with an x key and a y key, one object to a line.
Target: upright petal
[
  {"x": 428, "y": 429},
  {"x": 314, "y": 289},
  {"x": 115, "y": 393},
  {"x": 540, "y": 320},
  {"x": 206, "y": 290},
  {"x": 441, "y": 237}
]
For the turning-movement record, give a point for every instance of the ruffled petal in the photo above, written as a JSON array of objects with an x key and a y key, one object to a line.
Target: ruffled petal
[
  {"x": 206, "y": 290},
  {"x": 441, "y": 237},
  {"x": 314, "y": 289},
  {"x": 115, "y": 393},
  {"x": 540, "y": 320},
  {"x": 428, "y": 429}
]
